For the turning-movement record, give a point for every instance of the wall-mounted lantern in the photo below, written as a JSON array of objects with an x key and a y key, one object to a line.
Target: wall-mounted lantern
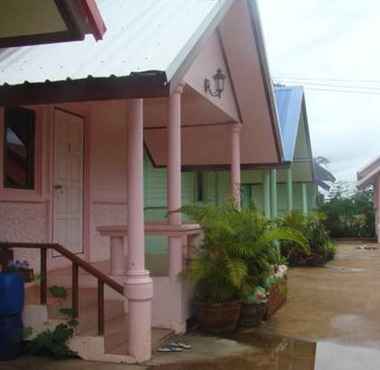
[{"x": 219, "y": 79}]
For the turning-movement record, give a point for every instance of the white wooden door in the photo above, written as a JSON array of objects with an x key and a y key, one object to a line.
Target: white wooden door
[{"x": 68, "y": 180}]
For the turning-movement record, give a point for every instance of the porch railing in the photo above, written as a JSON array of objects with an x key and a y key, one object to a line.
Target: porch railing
[{"x": 77, "y": 263}]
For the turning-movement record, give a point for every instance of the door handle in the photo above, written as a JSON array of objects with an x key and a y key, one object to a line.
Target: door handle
[{"x": 58, "y": 187}]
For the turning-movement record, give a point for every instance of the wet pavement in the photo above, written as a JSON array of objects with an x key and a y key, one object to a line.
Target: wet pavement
[
  {"x": 339, "y": 303},
  {"x": 276, "y": 353},
  {"x": 331, "y": 322}
]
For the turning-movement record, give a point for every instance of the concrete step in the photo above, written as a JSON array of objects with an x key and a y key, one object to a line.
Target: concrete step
[
  {"x": 116, "y": 335},
  {"x": 110, "y": 348},
  {"x": 88, "y": 310}
]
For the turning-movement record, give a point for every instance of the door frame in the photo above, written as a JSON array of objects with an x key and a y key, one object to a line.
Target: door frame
[{"x": 86, "y": 179}]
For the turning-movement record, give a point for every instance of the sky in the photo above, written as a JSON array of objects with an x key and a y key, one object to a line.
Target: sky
[{"x": 332, "y": 47}]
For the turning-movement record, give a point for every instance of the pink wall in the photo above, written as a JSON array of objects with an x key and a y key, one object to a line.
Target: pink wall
[
  {"x": 24, "y": 214},
  {"x": 27, "y": 215},
  {"x": 208, "y": 61},
  {"x": 27, "y": 222}
]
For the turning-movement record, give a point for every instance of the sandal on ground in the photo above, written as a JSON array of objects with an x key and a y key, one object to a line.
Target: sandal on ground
[
  {"x": 169, "y": 349},
  {"x": 180, "y": 345}
]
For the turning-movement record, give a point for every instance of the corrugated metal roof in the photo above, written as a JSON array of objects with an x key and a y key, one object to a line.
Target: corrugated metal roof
[
  {"x": 142, "y": 35},
  {"x": 368, "y": 175},
  {"x": 289, "y": 101}
]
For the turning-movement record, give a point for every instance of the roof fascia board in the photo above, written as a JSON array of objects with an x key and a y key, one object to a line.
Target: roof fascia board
[
  {"x": 367, "y": 168},
  {"x": 140, "y": 85},
  {"x": 369, "y": 179},
  {"x": 71, "y": 17},
  {"x": 223, "y": 167},
  {"x": 307, "y": 134},
  {"x": 260, "y": 45},
  {"x": 307, "y": 130},
  {"x": 29, "y": 40},
  {"x": 229, "y": 74},
  {"x": 75, "y": 14},
  {"x": 95, "y": 24}
]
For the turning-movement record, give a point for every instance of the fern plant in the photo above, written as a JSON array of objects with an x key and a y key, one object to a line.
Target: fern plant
[
  {"x": 238, "y": 251},
  {"x": 54, "y": 343},
  {"x": 320, "y": 247}
]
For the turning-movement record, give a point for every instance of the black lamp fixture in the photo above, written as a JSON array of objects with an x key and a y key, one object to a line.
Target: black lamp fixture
[{"x": 219, "y": 79}]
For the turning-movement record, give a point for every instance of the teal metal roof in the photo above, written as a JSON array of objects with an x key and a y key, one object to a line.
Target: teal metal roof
[{"x": 289, "y": 101}]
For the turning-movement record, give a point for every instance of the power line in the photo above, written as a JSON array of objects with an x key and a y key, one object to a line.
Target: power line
[
  {"x": 331, "y": 87},
  {"x": 324, "y": 84},
  {"x": 324, "y": 79},
  {"x": 358, "y": 92}
]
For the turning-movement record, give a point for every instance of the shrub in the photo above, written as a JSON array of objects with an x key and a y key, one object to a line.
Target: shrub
[
  {"x": 321, "y": 248},
  {"x": 350, "y": 215},
  {"x": 238, "y": 251},
  {"x": 54, "y": 343}
]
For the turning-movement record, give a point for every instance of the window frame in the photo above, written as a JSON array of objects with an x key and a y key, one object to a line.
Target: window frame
[
  {"x": 20, "y": 194},
  {"x": 31, "y": 153}
]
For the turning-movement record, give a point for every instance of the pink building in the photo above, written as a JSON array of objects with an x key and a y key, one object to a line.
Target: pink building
[
  {"x": 369, "y": 176},
  {"x": 175, "y": 85}
]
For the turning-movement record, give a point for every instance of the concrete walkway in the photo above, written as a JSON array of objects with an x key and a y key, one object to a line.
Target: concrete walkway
[{"x": 339, "y": 303}]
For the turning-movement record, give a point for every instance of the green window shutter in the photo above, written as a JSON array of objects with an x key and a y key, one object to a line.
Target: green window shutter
[
  {"x": 297, "y": 197},
  {"x": 209, "y": 187},
  {"x": 188, "y": 188},
  {"x": 258, "y": 196},
  {"x": 246, "y": 195},
  {"x": 155, "y": 205},
  {"x": 282, "y": 192},
  {"x": 224, "y": 190}
]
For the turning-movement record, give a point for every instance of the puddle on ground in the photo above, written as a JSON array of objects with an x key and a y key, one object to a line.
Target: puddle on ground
[{"x": 280, "y": 353}]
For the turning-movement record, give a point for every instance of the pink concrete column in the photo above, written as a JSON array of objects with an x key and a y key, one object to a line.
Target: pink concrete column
[
  {"x": 174, "y": 181},
  {"x": 235, "y": 164},
  {"x": 138, "y": 285},
  {"x": 377, "y": 207},
  {"x": 117, "y": 256}
]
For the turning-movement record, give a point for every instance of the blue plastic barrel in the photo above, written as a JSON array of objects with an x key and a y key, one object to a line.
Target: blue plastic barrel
[
  {"x": 11, "y": 294},
  {"x": 11, "y": 337}
]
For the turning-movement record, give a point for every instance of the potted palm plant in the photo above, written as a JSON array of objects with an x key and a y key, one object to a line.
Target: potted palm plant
[{"x": 237, "y": 253}]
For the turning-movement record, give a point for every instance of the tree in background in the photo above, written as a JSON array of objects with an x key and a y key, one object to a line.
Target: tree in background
[
  {"x": 322, "y": 176},
  {"x": 349, "y": 213}
]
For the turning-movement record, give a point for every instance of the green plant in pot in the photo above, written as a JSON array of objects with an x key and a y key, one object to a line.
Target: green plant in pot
[{"x": 236, "y": 254}]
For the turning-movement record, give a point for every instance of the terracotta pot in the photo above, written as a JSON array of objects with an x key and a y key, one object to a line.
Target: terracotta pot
[
  {"x": 315, "y": 260},
  {"x": 252, "y": 314},
  {"x": 278, "y": 295},
  {"x": 219, "y": 318}
]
